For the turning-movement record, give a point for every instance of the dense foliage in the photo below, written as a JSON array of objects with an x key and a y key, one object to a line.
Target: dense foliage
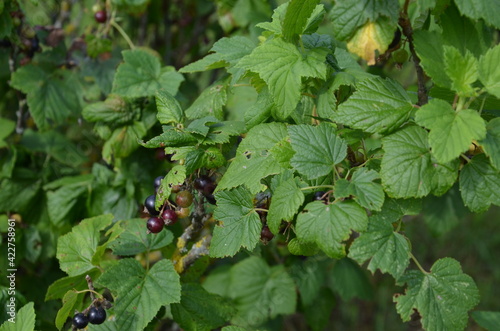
[{"x": 246, "y": 164}]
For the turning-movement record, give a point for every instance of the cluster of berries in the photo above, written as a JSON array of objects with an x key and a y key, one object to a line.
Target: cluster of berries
[{"x": 95, "y": 315}]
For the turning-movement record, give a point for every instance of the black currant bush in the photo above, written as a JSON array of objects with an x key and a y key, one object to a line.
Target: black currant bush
[{"x": 250, "y": 164}]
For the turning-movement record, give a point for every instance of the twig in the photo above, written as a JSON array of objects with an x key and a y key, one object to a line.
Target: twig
[{"x": 405, "y": 24}]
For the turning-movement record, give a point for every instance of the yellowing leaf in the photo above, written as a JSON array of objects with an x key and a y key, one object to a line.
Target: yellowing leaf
[{"x": 372, "y": 37}]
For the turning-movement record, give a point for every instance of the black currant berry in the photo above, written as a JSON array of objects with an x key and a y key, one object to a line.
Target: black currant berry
[
  {"x": 266, "y": 234},
  {"x": 157, "y": 181},
  {"x": 155, "y": 224},
  {"x": 97, "y": 315},
  {"x": 184, "y": 199},
  {"x": 169, "y": 216},
  {"x": 100, "y": 16},
  {"x": 204, "y": 184},
  {"x": 320, "y": 195},
  {"x": 149, "y": 203},
  {"x": 211, "y": 199},
  {"x": 80, "y": 321}
]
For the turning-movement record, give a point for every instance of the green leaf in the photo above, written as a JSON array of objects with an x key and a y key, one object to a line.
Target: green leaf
[
  {"x": 441, "y": 214},
  {"x": 169, "y": 110},
  {"x": 6, "y": 128},
  {"x": 429, "y": 48},
  {"x": 141, "y": 75},
  {"x": 281, "y": 65},
  {"x": 69, "y": 301},
  {"x": 309, "y": 275},
  {"x": 442, "y": 297},
  {"x": 350, "y": 281},
  {"x": 317, "y": 149},
  {"x": 97, "y": 46},
  {"x": 451, "y": 132},
  {"x": 171, "y": 138},
  {"x": 318, "y": 313},
  {"x": 480, "y": 184},
  {"x": 52, "y": 95},
  {"x": 378, "y": 105},
  {"x": 407, "y": 169},
  {"x": 489, "y": 72},
  {"x": 176, "y": 176},
  {"x": 239, "y": 226},
  {"x": 58, "y": 289},
  {"x": 76, "y": 249},
  {"x": 367, "y": 193},
  {"x": 296, "y": 17},
  {"x": 200, "y": 310},
  {"x": 211, "y": 101},
  {"x": 123, "y": 141},
  {"x": 260, "y": 111},
  {"x": 481, "y": 9},
  {"x": 386, "y": 249},
  {"x": 330, "y": 225},
  {"x": 491, "y": 142},
  {"x": 114, "y": 110},
  {"x": 24, "y": 320},
  {"x": 285, "y": 203},
  {"x": 462, "y": 70},
  {"x": 135, "y": 240},
  {"x": 261, "y": 292},
  {"x": 490, "y": 320},
  {"x": 140, "y": 293},
  {"x": 253, "y": 159}
]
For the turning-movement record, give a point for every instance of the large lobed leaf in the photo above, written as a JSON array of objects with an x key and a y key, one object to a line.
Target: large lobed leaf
[
  {"x": 285, "y": 203},
  {"x": 362, "y": 186}
]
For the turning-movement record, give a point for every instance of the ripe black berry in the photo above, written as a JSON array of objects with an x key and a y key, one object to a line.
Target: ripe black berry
[
  {"x": 319, "y": 196},
  {"x": 169, "y": 216},
  {"x": 80, "y": 321},
  {"x": 184, "y": 199},
  {"x": 155, "y": 224},
  {"x": 204, "y": 184},
  {"x": 97, "y": 315},
  {"x": 100, "y": 16},
  {"x": 266, "y": 234},
  {"x": 149, "y": 203},
  {"x": 211, "y": 199},
  {"x": 157, "y": 181}
]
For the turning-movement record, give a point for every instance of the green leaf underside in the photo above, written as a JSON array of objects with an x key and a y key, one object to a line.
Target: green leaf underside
[
  {"x": 282, "y": 66},
  {"x": 329, "y": 225},
  {"x": 442, "y": 297},
  {"x": 480, "y": 184},
  {"x": 489, "y": 71},
  {"x": 317, "y": 149},
  {"x": 140, "y": 295},
  {"x": 261, "y": 292},
  {"x": 451, "y": 132},
  {"x": 76, "y": 249},
  {"x": 254, "y": 160},
  {"x": 367, "y": 193},
  {"x": 286, "y": 201},
  {"x": 239, "y": 226},
  {"x": 378, "y": 105},
  {"x": 387, "y": 250},
  {"x": 141, "y": 75},
  {"x": 491, "y": 142},
  {"x": 200, "y": 310}
]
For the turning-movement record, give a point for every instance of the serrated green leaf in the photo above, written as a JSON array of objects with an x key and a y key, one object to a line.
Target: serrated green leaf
[
  {"x": 140, "y": 293},
  {"x": 281, "y": 65},
  {"x": 6, "y": 128},
  {"x": 141, "y": 75},
  {"x": 123, "y": 141},
  {"x": 76, "y": 249},
  {"x": 317, "y": 149},
  {"x": 285, "y": 203},
  {"x": 261, "y": 111},
  {"x": 176, "y": 176},
  {"x": 489, "y": 72},
  {"x": 169, "y": 110},
  {"x": 350, "y": 281},
  {"x": 135, "y": 240},
  {"x": 296, "y": 247},
  {"x": 429, "y": 48},
  {"x": 253, "y": 159},
  {"x": 477, "y": 9},
  {"x": 114, "y": 110},
  {"x": 491, "y": 142},
  {"x": 445, "y": 175},
  {"x": 451, "y": 132},
  {"x": 462, "y": 70},
  {"x": 171, "y": 138},
  {"x": 239, "y": 226},
  {"x": 407, "y": 169},
  {"x": 261, "y": 292},
  {"x": 69, "y": 301},
  {"x": 442, "y": 297},
  {"x": 330, "y": 225},
  {"x": 296, "y": 17},
  {"x": 52, "y": 95},
  {"x": 441, "y": 214},
  {"x": 480, "y": 184},
  {"x": 58, "y": 289},
  {"x": 211, "y": 101},
  {"x": 200, "y": 310},
  {"x": 24, "y": 320},
  {"x": 387, "y": 250},
  {"x": 367, "y": 193},
  {"x": 490, "y": 320},
  {"x": 221, "y": 132},
  {"x": 378, "y": 105}
]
